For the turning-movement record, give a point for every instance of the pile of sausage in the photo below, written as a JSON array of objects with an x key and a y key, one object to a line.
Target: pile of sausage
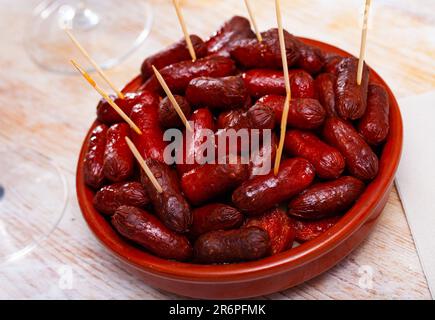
[{"x": 222, "y": 213}]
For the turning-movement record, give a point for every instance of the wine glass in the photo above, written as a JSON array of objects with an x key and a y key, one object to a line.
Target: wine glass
[{"x": 109, "y": 30}]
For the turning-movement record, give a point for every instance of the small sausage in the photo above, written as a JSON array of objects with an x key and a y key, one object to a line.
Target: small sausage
[
  {"x": 257, "y": 117},
  {"x": 326, "y": 199},
  {"x": 217, "y": 93},
  {"x": 361, "y": 161},
  {"x": 328, "y": 161},
  {"x": 223, "y": 40},
  {"x": 111, "y": 197},
  {"x": 232, "y": 246},
  {"x": 303, "y": 113},
  {"x": 202, "y": 122},
  {"x": 264, "y": 192},
  {"x": 261, "y": 82},
  {"x": 310, "y": 58},
  {"x": 325, "y": 83},
  {"x": 94, "y": 157},
  {"x": 168, "y": 116},
  {"x": 146, "y": 116},
  {"x": 170, "y": 205},
  {"x": 278, "y": 226},
  {"x": 146, "y": 230},
  {"x": 309, "y": 230},
  {"x": 215, "y": 216},
  {"x": 249, "y": 53},
  {"x": 107, "y": 115},
  {"x": 262, "y": 159},
  {"x": 173, "y": 54},
  {"x": 178, "y": 75},
  {"x": 374, "y": 125},
  {"x": 118, "y": 160},
  {"x": 331, "y": 63},
  {"x": 351, "y": 98},
  {"x": 212, "y": 180}
]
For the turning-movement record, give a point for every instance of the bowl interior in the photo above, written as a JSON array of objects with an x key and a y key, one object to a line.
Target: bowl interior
[{"x": 293, "y": 258}]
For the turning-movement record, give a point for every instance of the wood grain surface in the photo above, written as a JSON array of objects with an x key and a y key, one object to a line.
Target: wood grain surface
[{"x": 51, "y": 113}]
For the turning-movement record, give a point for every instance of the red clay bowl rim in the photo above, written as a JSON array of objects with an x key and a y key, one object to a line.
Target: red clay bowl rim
[{"x": 276, "y": 264}]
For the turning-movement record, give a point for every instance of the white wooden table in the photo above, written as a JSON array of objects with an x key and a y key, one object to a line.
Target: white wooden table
[{"x": 52, "y": 112}]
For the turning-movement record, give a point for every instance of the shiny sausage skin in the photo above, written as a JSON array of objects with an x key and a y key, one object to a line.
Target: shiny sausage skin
[
  {"x": 107, "y": 115},
  {"x": 111, "y": 197},
  {"x": 310, "y": 58},
  {"x": 170, "y": 206},
  {"x": 331, "y": 63},
  {"x": 303, "y": 113},
  {"x": 257, "y": 117},
  {"x": 309, "y": 230},
  {"x": 261, "y": 82},
  {"x": 223, "y": 40},
  {"x": 232, "y": 246},
  {"x": 375, "y": 125},
  {"x": 212, "y": 180},
  {"x": 249, "y": 53},
  {"x": 146, "y": 116},
  {"x": 118, "y": 160},
  {"x": 94, "y": 157},
  {"x": 264, "y": 192},
  {"x": 328, "y": 161},
  {"x": 217, "y": 93},
  {"x": 203, "y": 120},
  {"x": 325, "y": 83},
  {"x": 146, "y": 230},
  {"x": 265, "y": 153},
  {"x": 326, "y": 199},
  {"x": 361, "y": 161},
  {"x": 168, "y": 116},
  {"x": 178, "y": 75},
  {"x": 278, "y": 226},
  {"x": 215, "y": 216},
  {"x": 172, "y": 54},
  {"x": 351, "y": 99}
]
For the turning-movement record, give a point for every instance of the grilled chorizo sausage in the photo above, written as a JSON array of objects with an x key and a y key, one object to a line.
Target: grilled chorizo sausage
[
  {"x": 232, "y": 245},
  {"x": 94, "y": 157},
  {"x": 212, "y": 180},
  {"x": 351, "y": 98},
  {"x": 118, "y": 160},
  {"x": 310, "y": 58},
  {"x": 170, "y": 205},
  {"x": 264, "y": 192},
  {"x": 374, "y": 125},
  {"x": 326, "y": 199},
  {"x": 328, "y": 161},
  {"x": 215, "y": 216},
  {"x": 173, "y": 54},
  {"x": 361, "y": 161},
  {"x": 146, "y": 230},
  {"x": 217, "y": 93},
  {"x": 325, "y": 83},
  {"x": 111, "y": 197},
  {"x": 168, "y": 116}
]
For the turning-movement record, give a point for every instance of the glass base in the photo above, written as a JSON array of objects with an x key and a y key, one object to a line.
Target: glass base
[{"x": 108, "y": 30}]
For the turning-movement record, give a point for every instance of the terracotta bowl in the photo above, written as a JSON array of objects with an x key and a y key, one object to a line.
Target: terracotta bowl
[{"x": 272, "y": 274}]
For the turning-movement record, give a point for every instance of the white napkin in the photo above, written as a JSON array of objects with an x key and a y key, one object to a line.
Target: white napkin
[{"x": 415, "y": 178}]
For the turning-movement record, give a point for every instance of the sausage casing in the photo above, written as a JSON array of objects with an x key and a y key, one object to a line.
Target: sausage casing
[
  {"x": 325, "y": 84},
  {"x": 94, "y": 157}
]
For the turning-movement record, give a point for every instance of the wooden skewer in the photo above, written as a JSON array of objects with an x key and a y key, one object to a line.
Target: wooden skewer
[
  {"x": 287, "y": 87},
  {"x": 172, "y": 99},
  {"x": 106, "y": 97},
  {"x": 184, "y": 28},
  {"x": 254, "y": 23},
  {"x": 362, "y": 51},
  {"x": 92, "y": 61},
  {"x": 143, "y": 164}
]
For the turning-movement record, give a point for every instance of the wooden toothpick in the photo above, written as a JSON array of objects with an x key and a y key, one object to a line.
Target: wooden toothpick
[
  {"x": 362, "y": 51},
  {"x": 92, "y": 82},
  {"x": 172, "y": 98},
  {"x": 184, "y": 28},
  {"x": 254, "y": 23},
  {"x": 287, "y": 87},
  {"x": 143, "y": 164},
  {"x": 96, "y": 66}
]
